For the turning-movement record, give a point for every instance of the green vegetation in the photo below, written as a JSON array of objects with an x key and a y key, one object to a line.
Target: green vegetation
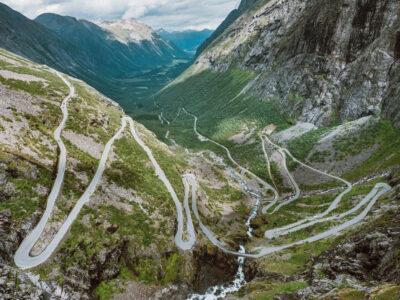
[
  {"x": 223, "y": 111},
  {"x": 350, "y": 294},
  {"x": 132, "y": 171},
  {"x": 146, "y": 270},
  {"x": 24, "y": 176},
  {"x": 386, "y": 292},
  {"x": 33, "y": 88},
  {"x": 386, "y": 139},
  {"x": 106, "y": 290},
  {"x": 269, "y": 290},
  {"x": 301, "y": 146},
  {"x": 91, "y": 117},
  {"x": 172, "y": 268},
  {"x": 52, "y": 87}
]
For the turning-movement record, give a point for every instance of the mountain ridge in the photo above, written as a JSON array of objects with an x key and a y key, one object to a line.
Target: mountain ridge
[
  {"x": 328, "y": 39},
  {"x": 85, "y": 50}
]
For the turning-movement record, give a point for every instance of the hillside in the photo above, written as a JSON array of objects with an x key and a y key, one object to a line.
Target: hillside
[
  {"x": 112, "y": 54},
  {"x": 87, "y": 197},
  {"x": 233, "y": 15},
  {"x": 339, "y": 61},
  {"x": 126, "y": 72}
]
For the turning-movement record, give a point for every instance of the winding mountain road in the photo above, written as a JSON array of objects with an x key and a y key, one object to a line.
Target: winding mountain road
[
  {"x": 368, "y": 201},
  {"x": 22, "y": 257},
  {"x": 185, "y": 237},
  {"x": 184, "y": 245},
  {"x": 202, "y": 138}
]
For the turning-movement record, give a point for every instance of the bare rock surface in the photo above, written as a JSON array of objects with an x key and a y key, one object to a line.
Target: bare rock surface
[
  {"x": 323, "y": 60},
  {"x": 18, "y": 76}
]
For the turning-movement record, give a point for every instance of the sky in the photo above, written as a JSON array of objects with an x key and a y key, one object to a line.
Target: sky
[{"x": 167, "y": 14}]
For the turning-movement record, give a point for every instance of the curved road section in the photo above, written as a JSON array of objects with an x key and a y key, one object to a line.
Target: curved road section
[
  {"x": 179, "y": 240},
  {"x": 368, "y": 201},
  {"x": 22, "y": 257}
]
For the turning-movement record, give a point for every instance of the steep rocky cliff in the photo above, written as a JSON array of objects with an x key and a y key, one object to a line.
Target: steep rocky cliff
[{"x": 340, "y": 58}]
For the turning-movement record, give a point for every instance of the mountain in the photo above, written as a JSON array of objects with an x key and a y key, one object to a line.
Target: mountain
[
  {"x": 188, "y": 40},
  {"x": 94, "y": 54},
  {"x": 128, "y": 60},
  {"x": 113, "y": 55},
  {"x": 290, "y": 52},
  {"x": 303, "y": 95},
  {"x": 28, "y": 38}
]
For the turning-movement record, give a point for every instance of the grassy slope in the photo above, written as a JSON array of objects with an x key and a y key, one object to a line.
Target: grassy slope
[{"x": 222, "y": 112}]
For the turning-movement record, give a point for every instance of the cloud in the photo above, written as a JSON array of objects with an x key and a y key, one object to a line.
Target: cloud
[{"x": 169, "y": 14}]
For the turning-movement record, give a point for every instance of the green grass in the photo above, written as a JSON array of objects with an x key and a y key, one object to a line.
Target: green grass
[
  {"x": 52, "y": 88},
  {"x": 33, "y": 88},
  {"x": 269, "y": 290},
  {"x": 25, "y": 200},
  {"x": 387, "y": 140},
  {"x": 132, "y": 170},
  {"x": 349, "y": 294},
  {"x": 387, "y": 292},
  {"x": 301, "y": 146},
  {"x": 106, "y": 290},
  {"x": 172, "y": 268},
  {"x": 91, "y": 117},
  {"x": 214, "y": 98}
]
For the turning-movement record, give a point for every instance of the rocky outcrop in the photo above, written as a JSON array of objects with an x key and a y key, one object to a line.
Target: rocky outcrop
[
  {"x": 17, "y": 284},
  {"x": 338, "y": 59},
  {"x": 367, "y": 259},
  {"x": 212, "y": 267}
]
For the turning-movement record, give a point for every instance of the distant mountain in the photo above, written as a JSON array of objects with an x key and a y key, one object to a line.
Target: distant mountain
[
  {"x": 188, "y": 40},
  {"x": 97, "y": 54},
  {"x": 112, "y": 54}
]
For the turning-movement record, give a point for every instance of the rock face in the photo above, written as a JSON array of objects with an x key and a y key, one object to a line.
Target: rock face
[
  {"x": 368, "y": 258},
  {"x": 339, "y": 57}
]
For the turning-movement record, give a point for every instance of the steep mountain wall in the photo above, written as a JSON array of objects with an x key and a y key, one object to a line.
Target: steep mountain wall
[{"x": 338, "y": 59}]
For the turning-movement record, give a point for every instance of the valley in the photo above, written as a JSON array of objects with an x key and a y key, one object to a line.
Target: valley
[
  {"x": 266, "y": 168},
  {"x": 127, "y": 60}
]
